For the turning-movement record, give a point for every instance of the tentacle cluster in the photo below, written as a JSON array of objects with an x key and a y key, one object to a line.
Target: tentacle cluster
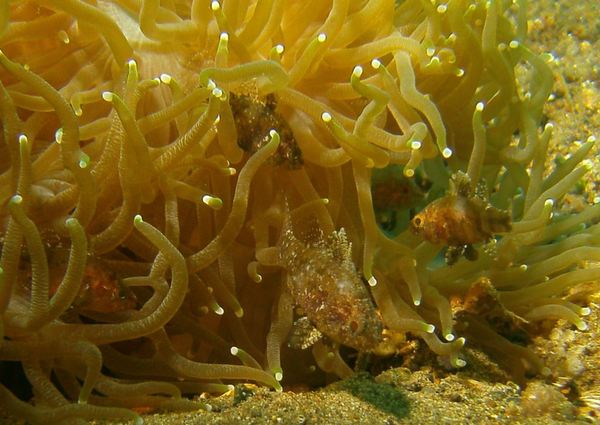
[{"x": 123, "y": 150}]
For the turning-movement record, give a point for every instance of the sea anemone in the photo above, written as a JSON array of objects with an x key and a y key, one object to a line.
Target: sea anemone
[{"x": 158, "y": 158}]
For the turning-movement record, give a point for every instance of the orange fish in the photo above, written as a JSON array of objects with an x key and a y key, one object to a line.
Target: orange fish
[{"x": 460, "y": 219}]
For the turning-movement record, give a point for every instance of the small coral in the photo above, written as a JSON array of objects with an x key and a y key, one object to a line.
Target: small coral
[{"x": 541, "y": 399}]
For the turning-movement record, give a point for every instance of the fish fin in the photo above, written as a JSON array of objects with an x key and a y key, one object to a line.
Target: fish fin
[{"x": 303, "y": 334}]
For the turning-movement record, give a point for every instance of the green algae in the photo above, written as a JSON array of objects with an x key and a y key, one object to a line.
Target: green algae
[{"x": 383, "y": 396}]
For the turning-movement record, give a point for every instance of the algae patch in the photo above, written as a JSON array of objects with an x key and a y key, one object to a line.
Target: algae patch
[{"x": 383, "y": 396}]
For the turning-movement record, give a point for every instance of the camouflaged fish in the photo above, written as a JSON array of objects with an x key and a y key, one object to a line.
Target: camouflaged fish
[{"x": 325, "y": 284}]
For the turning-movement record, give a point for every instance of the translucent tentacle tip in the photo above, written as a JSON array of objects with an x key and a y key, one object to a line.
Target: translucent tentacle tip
[
  {"x": 274, "y": 136},
  {"x": 132, "y": 65},
  {"x": 63, "y": 36},
  {"x": 84, "y": 161},
  {"x": 71, "y": 222},
  {"x": 17, "y": 199},
  {"x": 372, "y": 281},
  {"x": 58, "y": 136},
  {"x": 224, "y": 37},
  {"x": 234, "y": 351},
  {"x": 449, "y": 336},
  {"x": 108, "y": 96},
  {"x": 212, "y": 201},
  {"x": 278, "y": 376},
  {"x": 138, "y": 219},
  {"x": 447, "y": 153},
  {"x": 217, "y": 92},
  {"x": 458, "y": 362},
  {"x": 215, "y": 5}
]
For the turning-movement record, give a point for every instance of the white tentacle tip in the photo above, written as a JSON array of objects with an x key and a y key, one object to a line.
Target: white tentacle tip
[
  {"x": 212, "y": 201},
  {"x": 357, "y": 71},
  {"x": 17, "y": 199},
  {"x": 326, "y": 117},
  {"x": 107, "y": 96},
  {"x": 459, "y": 363}
]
